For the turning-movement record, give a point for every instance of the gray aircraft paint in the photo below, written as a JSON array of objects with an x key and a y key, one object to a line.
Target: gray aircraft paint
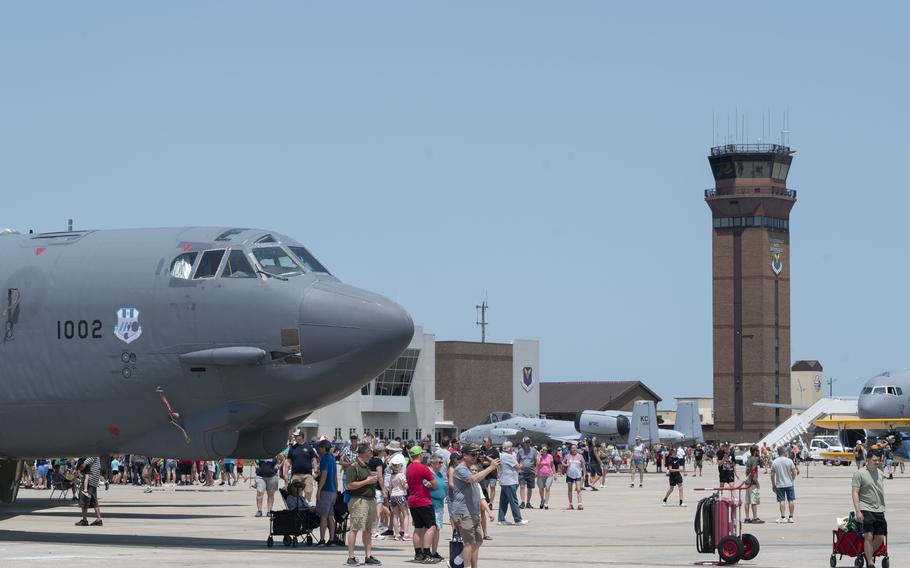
[
  {"x": 877, "y": 403},
  {"x": 215, "y": 348},
  {"x": 608, "y": 426}
]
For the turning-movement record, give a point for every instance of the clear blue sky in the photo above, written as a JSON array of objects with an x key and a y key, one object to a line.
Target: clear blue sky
[{"x": 553, "y": 154}]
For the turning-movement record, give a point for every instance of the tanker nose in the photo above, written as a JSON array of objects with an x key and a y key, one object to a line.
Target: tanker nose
[{"x": 337, "y": 319}]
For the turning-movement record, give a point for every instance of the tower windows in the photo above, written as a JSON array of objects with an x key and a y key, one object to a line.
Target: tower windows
[{"x": 756, "y": 221}]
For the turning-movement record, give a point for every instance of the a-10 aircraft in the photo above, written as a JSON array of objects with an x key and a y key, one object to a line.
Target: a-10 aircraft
[
  {"x": 884, "y": 413},
  {"x": 608, "y": 426},
  {"x": 191, "y": 342}
]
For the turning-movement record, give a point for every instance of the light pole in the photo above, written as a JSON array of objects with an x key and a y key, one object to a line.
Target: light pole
[{"x": 831, "y": 381}]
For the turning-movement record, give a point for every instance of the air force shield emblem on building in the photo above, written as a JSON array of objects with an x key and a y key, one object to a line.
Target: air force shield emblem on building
[
  {"x": 527, "y": 378},
  {"x": 128, "y": 329},
  {"x": 776, "y": 263}
]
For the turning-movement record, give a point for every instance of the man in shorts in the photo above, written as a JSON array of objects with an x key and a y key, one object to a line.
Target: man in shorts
[
  {"x": 465, "y": 504},
  {"x": 301, "y": 461},
  {"x": 753, "y": 491},
  {"x": 328, "y": 493},
  {"x": 420, "y": 481},
  {"x": 783, "y": 472},
  {"x": 638, "y": 461},
  {"x": 869, "y": 504},
  {"x": 88, "y": 497},
  {"x": 699, "y": 456},
  {"x": 675, "y": 466},
  {"x": 528, "y": 457},
  {"x": 362, "y": 484}
]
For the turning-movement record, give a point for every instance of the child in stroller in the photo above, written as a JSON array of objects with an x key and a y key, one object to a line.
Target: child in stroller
[{"x": 298, "y": 519}]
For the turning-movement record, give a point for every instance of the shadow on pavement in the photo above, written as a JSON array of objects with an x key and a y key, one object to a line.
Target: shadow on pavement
[{"x": 152, "y": 541}]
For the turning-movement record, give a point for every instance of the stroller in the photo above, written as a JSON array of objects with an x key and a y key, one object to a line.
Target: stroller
[
  {"x": 341, "y": 519},
  {"x": 298, "y": 520}
]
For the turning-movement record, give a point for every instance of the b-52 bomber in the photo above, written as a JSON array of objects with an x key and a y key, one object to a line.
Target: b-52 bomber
[{"x": 191, "y": 342}]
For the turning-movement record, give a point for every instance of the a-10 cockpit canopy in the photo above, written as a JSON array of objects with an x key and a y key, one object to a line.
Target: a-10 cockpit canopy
[
  {"x": 266, "y": 256},
  {"x": 495, "y": 417},
  {"x": 501, "y": 416}
]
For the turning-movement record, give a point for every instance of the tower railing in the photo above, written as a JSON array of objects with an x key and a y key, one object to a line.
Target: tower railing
[
  {"x": 791, "y": 193},
  {"x": 751, "y": 149}
]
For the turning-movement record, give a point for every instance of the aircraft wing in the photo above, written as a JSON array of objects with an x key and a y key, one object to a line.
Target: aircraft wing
[
  {"x": 863, "y": 423},
  {"x": 837, "y": 455}
]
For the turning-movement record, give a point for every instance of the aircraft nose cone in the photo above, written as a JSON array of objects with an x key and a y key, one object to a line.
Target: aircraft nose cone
[
  {"x": 337, "y": 319},
  {"x": 864, "y": 409}
]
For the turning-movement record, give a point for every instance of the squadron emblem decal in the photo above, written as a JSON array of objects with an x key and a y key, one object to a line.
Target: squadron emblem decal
[
  {"x": 527, "y": 378},
  {"x": 128, "y": 329}
]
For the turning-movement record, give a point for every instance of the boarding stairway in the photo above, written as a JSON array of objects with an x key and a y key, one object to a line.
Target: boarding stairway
[{"x": 798, "y": 425}]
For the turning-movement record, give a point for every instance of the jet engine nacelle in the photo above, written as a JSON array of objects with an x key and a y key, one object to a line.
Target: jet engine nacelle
[{"x": 597, "y": 423}]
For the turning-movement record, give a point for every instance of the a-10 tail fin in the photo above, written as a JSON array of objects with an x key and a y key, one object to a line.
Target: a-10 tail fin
[
  {"x": 688, "y": 422},
  {"x": 644, "y": 423}
]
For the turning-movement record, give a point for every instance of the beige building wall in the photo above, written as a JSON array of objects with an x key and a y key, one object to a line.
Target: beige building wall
[{"x": 806, "y": 387}]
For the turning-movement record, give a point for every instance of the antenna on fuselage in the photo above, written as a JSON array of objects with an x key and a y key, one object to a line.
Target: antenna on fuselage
[{"x": 482, "y": 318}]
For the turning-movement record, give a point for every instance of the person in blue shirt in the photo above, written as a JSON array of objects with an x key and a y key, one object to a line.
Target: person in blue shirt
[
  {"x": 328, "y": 493},
  {"x": 438, "y": 497}
]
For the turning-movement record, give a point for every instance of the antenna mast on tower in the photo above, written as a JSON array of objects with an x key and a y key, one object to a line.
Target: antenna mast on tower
[{"x": 482, "y": 318}]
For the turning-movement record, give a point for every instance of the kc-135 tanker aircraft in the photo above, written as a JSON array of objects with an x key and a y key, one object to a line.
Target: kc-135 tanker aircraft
[{"x": 185, "y": 342}]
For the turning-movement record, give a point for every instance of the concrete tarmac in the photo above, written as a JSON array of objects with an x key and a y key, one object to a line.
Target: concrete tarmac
[{"x": 620, "y": 526}]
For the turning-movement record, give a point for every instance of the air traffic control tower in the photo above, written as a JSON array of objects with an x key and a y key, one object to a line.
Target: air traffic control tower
[{"x": 750, "y": 208}]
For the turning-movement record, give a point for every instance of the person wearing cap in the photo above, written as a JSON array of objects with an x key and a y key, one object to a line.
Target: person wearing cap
[
  {"x": 295, "y": 501},
  {"x": 328, "y": 493},
  {"x": 508, "y": 483},
  {"x": 528, "y": 459},
  {"x": 420, "y": 481},
  {"x": 347, "y": 457},
  {"x": 638, "y": 461},
  {"x": 362, "y": 482},
  {"x": 464, "y": 502},
  {"x": 301, "y": 462}
]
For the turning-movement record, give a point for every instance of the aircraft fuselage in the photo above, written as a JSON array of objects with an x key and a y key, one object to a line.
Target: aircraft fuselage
[{"x": 103, "y": 350}]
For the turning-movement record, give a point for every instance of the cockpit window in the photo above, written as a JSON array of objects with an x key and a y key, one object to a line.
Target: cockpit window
[
  {"x": 237, "y": 266},
  {"x": 208, "y": 266},
  {"x": 867, "y": 390},
  {"x": 226, "y": 236},
  {"x": 308, "y": 259},
  {"x": 900, "y": 391},
  {"x": 182, "y": 267},
  {"x": 878, "y": 390},
  {"x": 275, "y": 260},
  {"x": 495, "y": 417},
  {"x": 266, "y": 239}
]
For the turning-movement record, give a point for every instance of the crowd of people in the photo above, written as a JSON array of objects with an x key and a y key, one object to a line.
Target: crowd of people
[{"x": 407, "y": 491}]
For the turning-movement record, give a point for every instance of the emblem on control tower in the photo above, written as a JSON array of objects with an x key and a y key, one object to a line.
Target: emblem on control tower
[
  {"x": 776, "y": 263},
  {"x": 527, "y": 378}
]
